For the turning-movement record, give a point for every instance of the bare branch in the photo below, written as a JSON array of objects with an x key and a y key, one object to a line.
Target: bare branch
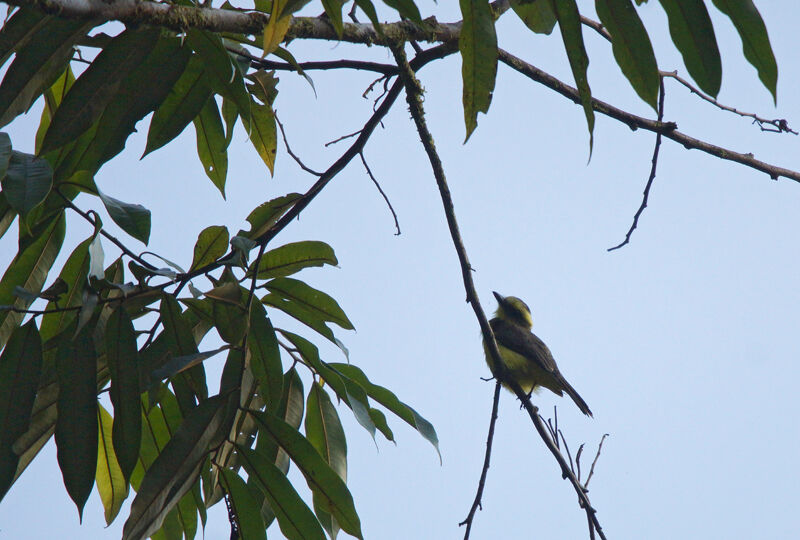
[
  {"x": 380, "y": 189},
  {"x": 652, "y": 177},
  {"x": 667, "y": 129}
]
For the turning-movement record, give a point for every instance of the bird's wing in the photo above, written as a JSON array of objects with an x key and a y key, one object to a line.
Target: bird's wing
[{"x": 523, "y": 342}]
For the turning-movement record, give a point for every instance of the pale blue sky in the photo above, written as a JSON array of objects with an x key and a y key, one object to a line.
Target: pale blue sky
[{"x": 684, "y": 343}]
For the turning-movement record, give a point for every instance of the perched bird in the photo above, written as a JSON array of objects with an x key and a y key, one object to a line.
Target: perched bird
[{"x": 526, "y": 358}]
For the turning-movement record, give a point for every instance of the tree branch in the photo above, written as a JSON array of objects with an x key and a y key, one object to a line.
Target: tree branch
[
  {"x": 667, "y": 129},
  {"x": 413, "y": 97}
]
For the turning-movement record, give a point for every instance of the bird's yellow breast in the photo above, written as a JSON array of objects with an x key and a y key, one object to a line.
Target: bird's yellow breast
[{"x": 526, "y": 372}]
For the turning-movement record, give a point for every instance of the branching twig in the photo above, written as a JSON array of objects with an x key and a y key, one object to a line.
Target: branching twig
[
  {"x": 380, "y": 189},
  {"x": 780, "y": 125},
  {"x": 413, "y": 93},
  {"x": 652, "y": 176},
  {"x": 667, "y": 129},
  {"x": 309, "y": 170},
  {"x": 476, "y": 504}
]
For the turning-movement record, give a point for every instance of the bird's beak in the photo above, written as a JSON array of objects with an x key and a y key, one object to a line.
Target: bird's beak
[{"x": 500, "y": 297}]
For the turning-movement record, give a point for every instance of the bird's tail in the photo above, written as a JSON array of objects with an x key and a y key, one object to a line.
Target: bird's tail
[{"x": 576, "y": 397}]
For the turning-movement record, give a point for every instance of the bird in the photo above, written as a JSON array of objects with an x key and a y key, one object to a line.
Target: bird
[{"x": 526, "y": 358}]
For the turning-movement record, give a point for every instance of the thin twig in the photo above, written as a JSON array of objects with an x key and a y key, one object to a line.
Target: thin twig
[
  {"x": 380, "y": 189},
  {"x": 413, "y": 93},
  {"x": 780, "y": 125},
  {"x": 653, "y": 167},
  {"x": 343, "y": 137},
  {"x": 476, "y": 504},
  {"x": 596, "y": 457},
  {"x": 294, "y": 156},
  {"x": 667, "y": 129}
]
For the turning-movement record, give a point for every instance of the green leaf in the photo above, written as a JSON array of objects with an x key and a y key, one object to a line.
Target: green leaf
[
  {"x": 693, "y": 35},
  {"x": 265, "y": 357},
  {"x": 406, "y": 8},
  {"x": 379, "y": 419},
  {"x": 369, "y": 9},
  {"x": 386, "y": 398},
  {"x": 123, "y": 366},
  {"x": 5, "y": 153},
  {"x": 569, "y": 20},
  {"x": 223, "y": 75},
  {"x": 212, "y": 144},
  {"x": 324, "y": 430},
  {"x": 478, "y": 46},
  {"x": 322, "y": 479},
  {"x": 305, "y": 303},
  {"x": 53, "y": 97},
  {"x": 245, "y": 507},
  {"x": 295, "y": 518},
  {"x": 76, "y": 427},
  {"x": 27, "y": 182},
  {"x": 346, "y": 389},
  {"x": 17, "y": 30},
  {"x": 183, "y": 103},
  {"x": 265, "y": 215},
  {"x": 755, "y": 41},
  {"x": 178, "y": 364},
  {"x": 538, "y": 15},
  {"x": 73, "y": 273},
  {"x": 291, "y": 258},
  {"x": 144, "y": 89},
  {"x": 29, "y": 270},
  {"x": 111, "y": 483},
  {"x": 20, "y": 365},
  {"x": 212, "y": 243},
  {"x": 176, "y": 468},
  {"x": 230, "y": 316},
  {"x": 333, "y": 9},
  {"x": 134, "y": 219},
  {"x": 88, "y": 98},
  {"x": 261, "y": 129},
  {"x": 632, "y": 48},
  {"x": 37, "y": 63}
]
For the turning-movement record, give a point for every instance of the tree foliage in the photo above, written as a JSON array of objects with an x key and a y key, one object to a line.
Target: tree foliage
[{"x": 129, "y": 328}]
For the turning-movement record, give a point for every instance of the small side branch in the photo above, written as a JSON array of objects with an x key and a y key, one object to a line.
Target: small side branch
[
  {"x": 383, "y": 194},
  {"x": 652, "y": 177},
  {"x": 667, "y": 129},
  {"x": 476, "y": 504}
]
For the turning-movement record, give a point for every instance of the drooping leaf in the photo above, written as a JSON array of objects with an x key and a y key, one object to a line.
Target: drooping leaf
[
  {"x": 176, "y": 468},
  {"x": 265, "y": 357},
  {"x": 379, "y": 419},
  {"x": 212, "y": 144},
  {"x": 324, "y": 430},
  {"x": 386, "y": 398},
  {"x": 98, "y": 85},
  {"x": 245, "y": 507},
  {"x": 291, "y": 258},
  {"x": 74, "y": 274},
  {"x": 53, "y": 97},
  {"x": 261, "y": 128},
  {"x": 178, "y": 364},
  {"x": 538, "y": 15},
  {"x": 295, "y": 518},
  {"x": 346, "y": 389},
  {"x": 569, "y": 21},
  {"x": 230, "y": 316},
  {"x": 478, "y": 46},
  {"x": 76, "y": 427},
  {"x": 20, "y": 365},
  {"x": 406, "y": 8},
  {"x": 123, "y": 365},
  {"x": 632, "y": 48},
  {"x": 134, "y": 219},
  {"x": 96, "y": 258},
  {"x": 27, "y": 182},
  {"x": 29, "y": 270},
  {"x": 38, "y": 62},
  {"x": 222, "y": 74},
  {"x": 212, "y": 243},
  {"x": 322, "y": 479},
  {"x": 5, "y": 153},
  {"x": 755, "y": 41},
  {"x": 143, "y": 89},
  {"x": 183, "y": 103},
  {"x": 693, "y": 34},
  {"x": 111, "y": 483},
  {"x": 18, "y": 29},
  {"x": 333, "y": 9}
]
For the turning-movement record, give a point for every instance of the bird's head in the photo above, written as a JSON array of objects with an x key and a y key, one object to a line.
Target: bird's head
[{"x": 513, "y": 310}]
